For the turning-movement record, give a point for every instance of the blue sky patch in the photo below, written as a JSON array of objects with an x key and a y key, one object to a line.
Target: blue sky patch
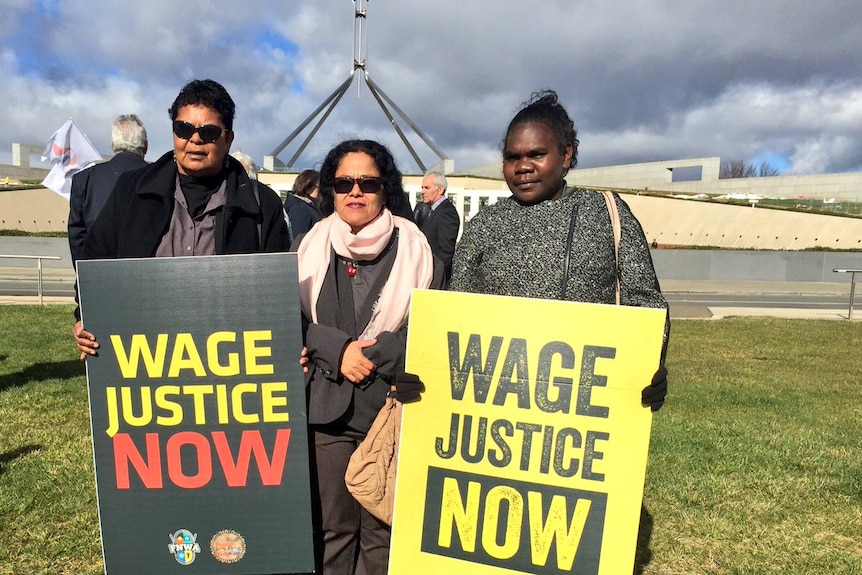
[{"x": 269, "y": 40}]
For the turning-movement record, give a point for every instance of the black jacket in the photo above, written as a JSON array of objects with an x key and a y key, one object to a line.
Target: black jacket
[
  {"x": 90, "y": 191},
  {"x": 138, "y": 214},
  {"x": 301, "y": 215},
  {"x": 441, "y": 228}
]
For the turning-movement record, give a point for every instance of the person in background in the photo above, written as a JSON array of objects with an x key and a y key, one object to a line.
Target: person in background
[
  {"x": 91, "y": 187},
  {"x": 249, "y": 165},
  {"x": 420, "y": 213},
  {"x": 195, "y": 200},
  {"x": 302, "y": 212},
  {"x": 252, "y": 171},
  {"x": 306, "y": 187},
  {"x": 551, "y": 241},
  {"x": 442, "y": 224},
  {"x": 357, "y": 268}
]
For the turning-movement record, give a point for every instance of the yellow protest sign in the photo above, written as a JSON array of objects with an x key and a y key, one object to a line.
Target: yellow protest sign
[{"x": 528, "y": 450}]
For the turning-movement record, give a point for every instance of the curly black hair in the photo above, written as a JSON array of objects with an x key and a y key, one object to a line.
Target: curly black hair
[
  {"x": 207, "y": 93},
  {"x": 544, "y": 107},
  {"x": 393, "y": 189}
]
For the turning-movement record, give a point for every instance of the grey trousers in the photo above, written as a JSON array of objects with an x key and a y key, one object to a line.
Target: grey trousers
[{"x": 352, "y": 541}]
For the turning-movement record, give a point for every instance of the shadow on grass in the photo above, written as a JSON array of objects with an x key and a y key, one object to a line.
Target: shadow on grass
[
  {"x": 9, "y": 456},
  {"x": 42, "y": 372},
  {"x": 643, "y": 554}
]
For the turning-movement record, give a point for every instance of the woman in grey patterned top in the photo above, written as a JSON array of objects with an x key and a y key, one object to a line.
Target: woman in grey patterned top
[{"x": 517, "y": 247}]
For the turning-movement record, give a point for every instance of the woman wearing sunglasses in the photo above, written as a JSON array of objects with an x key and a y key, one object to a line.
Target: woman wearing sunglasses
[
  {"x": 196, "y": 185},
  {"x": 193, "y": 201},
  {"x": 357, "y": 267}
]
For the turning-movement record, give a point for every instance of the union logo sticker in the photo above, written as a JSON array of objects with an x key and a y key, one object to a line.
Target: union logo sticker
[
  {"x": 227, "y": 546},
  {"x": 184, "y": 546}
]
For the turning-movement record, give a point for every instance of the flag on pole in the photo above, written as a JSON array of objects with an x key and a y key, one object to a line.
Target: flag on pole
[{"x": 69, "y": 151}]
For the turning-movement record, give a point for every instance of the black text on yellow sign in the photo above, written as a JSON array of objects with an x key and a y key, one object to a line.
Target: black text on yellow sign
[
  {"x": 163, "y": 455},
  {"x": 533, "y": 527},
  {"x": 545, "y": 389},
  {"x": 528, "y": 527}
]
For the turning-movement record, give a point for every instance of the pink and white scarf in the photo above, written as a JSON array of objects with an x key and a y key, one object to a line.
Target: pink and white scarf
[{"x": 413, "y": 266}]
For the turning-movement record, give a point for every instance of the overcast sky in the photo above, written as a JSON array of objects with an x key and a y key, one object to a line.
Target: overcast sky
[{"x": 753, "y": 80}]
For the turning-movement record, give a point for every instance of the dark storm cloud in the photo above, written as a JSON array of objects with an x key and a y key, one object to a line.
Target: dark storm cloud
[{"x": 644, "y": 81}]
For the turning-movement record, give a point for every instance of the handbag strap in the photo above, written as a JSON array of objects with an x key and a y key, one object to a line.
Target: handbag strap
[
  {"x": 614, "y": 215},
  {"x": 611, "y": 203}
]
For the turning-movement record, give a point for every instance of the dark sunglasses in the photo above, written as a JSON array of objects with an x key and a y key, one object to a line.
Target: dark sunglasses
[
  {"x": 209, "y": 133},
  {"x": 368, "y": 185}
]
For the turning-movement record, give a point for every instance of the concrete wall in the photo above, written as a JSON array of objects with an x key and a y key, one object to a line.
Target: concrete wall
[
  {"x": 37, "y": 210},
  {"x": 653, "y": 175},
  {"x": 658, "y": 176},
  {"x": 16, "y": 174},
  {"x": 20, "y": 168},
  {"x": 692, "y": 223},
  {"x": 734, "y": 265}
]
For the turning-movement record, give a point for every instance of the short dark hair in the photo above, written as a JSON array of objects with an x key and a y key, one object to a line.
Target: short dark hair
[
  {"x": 544, "y": 107},
  {"x": 207, "y": 93},
  {"x": 393, "y": 189},
  {"x": 305, "y": 183}
]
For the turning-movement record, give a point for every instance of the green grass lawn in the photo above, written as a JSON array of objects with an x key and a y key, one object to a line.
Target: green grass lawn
[
  {"x": 48, "y": 518},
  {"x": 755, "y": 463}
]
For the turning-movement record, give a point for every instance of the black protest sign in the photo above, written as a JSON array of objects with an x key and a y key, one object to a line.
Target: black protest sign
[{"x": 198, "y": 414}]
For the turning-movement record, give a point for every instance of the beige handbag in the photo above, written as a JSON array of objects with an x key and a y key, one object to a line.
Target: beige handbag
[{"x": 370, "y": 475}]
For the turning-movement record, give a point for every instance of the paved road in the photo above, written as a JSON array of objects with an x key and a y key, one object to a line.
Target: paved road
[
  {"x": 806, "y": 300},
  {"x": 22, "y": 282},
  {"x": 53, "y": 288},
  {"x": 801, "y": 301},
  {"x": 712, "y": 305}
]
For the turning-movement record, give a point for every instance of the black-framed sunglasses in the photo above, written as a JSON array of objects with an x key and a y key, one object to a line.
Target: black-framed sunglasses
[
  {"x": 368, "y": 184},
  {"x": 209, "y": 132}
]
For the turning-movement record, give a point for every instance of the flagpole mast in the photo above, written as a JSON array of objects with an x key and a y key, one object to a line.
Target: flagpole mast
[
  {"x": 360, "y": 62},
  {"x": 360, "y": 46}
]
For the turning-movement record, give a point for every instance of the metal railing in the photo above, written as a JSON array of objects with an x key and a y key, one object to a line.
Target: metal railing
[
  {"x": 852, "y": 273},
  {"x": 38, "y": 268}
]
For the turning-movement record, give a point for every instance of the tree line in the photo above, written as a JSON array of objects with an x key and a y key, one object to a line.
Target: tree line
[{"x": 743, "y": 169}]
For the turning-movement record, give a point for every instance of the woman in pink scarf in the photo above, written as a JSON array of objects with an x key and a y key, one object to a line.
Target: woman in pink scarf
[{"x": 357, "y": 269}]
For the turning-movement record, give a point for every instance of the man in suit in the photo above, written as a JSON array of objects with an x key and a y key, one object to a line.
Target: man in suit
[
  {"x": 91, "y": 187},
  {"x": 442, "y": 224}
]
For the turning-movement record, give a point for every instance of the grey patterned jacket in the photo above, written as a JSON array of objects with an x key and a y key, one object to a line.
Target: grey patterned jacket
[{"x": 517, "y": 250}]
